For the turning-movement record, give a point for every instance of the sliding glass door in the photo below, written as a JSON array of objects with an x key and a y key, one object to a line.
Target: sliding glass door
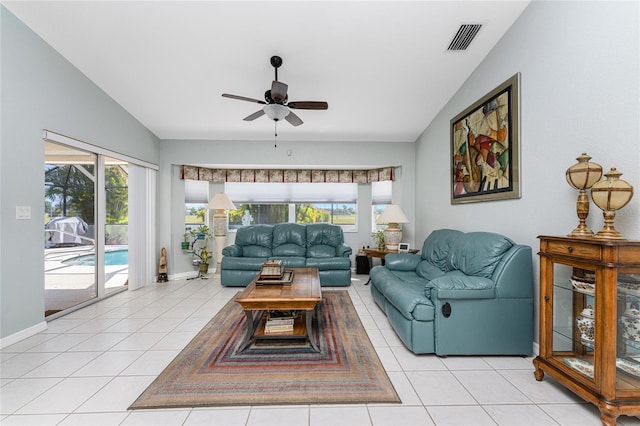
[
  {"x": 69, "y": 227},
  {"x": 116, "y": 224}
]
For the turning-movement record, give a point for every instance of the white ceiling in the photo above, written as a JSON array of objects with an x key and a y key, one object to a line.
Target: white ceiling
[{"x": 382, "y": 66}]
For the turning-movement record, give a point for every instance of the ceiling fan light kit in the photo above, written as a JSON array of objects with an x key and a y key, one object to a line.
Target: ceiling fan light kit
[
  {"x": 276, "y": 105},
  {"x": 276, "y": 112}
]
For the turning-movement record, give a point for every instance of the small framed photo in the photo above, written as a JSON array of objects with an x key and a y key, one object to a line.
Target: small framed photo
[{"x": 403, "y": 248}]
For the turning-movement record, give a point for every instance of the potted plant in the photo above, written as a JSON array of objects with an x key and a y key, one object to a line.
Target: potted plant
[
  {"x": 202, "y": 233},
  {"x": 204, "y": 256},
  {"x": 378, "y": 238},
  {"x": 185, "y": 244}
]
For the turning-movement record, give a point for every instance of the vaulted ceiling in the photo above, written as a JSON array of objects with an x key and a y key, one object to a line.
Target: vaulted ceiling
[{"x": 382, "y": 66}]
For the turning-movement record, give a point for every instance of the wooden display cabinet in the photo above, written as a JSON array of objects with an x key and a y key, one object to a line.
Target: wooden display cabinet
[{"x": 599, "y": 358}]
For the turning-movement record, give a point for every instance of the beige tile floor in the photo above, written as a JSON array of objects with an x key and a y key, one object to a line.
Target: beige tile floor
[{"x": 91, "y": 364}]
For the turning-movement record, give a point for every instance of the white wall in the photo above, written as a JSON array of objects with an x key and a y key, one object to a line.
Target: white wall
[
  {"x": 256, "y": 154},
  {"x": 579, "y": 93},
  {"x": 41, "y": 90}
]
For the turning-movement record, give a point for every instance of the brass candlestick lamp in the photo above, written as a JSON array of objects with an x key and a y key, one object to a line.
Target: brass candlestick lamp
[
  {"x": 611, "y": 195},
  {"x": 582, "y": 176}
]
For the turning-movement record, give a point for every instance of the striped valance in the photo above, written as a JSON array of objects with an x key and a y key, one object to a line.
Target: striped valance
[{"x": 287, "y": 176}]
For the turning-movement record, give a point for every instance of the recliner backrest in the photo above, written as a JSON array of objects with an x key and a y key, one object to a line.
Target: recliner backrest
[
  {"x": 255, "y": 240},
  {"x": 478, "y": 253},
  {"x": 437, "y": 247},
  {"x": 323, "y": 239},
  {"x": 289, "y": 239}
]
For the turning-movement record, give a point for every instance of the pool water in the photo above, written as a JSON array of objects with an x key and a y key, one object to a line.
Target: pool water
[{"x": 111, "y": 258}]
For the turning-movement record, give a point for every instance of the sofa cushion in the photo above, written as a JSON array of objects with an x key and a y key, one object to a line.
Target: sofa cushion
[
  {"x": 242, "y": 263},
  {"x": 478, "y": 253},
  {"x": 255, "y": 240},
  {"x": 289, "y": 239},
  {"x": 437, "y": 246},
  {"x": 329, "y": 263},
  {"x": 291, "y": 261},
  {"x": 408, "y": 298},
  {"x": 405, "y": 291},
  {"x": 458, "y": 281}
]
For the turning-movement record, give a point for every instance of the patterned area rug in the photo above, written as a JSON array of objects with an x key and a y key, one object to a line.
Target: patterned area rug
[{"x": 209, "y": 372}]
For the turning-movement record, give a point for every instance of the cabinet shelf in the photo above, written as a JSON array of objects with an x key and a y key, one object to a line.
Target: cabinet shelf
[{"x": 590, "y": 321}]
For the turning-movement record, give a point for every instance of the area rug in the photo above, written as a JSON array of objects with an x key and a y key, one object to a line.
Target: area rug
[{"x": 210, "y": 372}]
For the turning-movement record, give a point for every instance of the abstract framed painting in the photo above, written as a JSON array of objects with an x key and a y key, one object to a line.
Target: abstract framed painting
[{"x": 485, "y": 154}]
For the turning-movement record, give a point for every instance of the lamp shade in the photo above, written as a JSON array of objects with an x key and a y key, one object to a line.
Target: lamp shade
[
  {"x": 584, "y": 173},
  {"x": 276, "y": 112},
  {"x": 393, "y": 214},
  {"x": 612, "y": 193},
  {"x": 220, "y": 201}
]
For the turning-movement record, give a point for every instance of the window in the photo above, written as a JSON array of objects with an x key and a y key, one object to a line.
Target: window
[
  {"x": 380, "y": 196},
  {"x": 196, "y": 197},
  {"x": 271, "y": 203}
]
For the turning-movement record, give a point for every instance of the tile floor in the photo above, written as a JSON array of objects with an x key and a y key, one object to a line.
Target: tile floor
[{"x": 90, "y": 365}]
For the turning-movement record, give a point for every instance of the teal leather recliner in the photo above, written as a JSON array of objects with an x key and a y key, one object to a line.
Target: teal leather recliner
[
  {"x": 318, "y": 245},
  {"x": 465, "y": 294}
]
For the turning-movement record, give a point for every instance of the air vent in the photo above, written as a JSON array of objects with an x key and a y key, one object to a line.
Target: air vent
[{"x": 465, "y": 35}]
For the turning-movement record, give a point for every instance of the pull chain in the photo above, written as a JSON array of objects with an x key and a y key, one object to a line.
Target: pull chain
[{"x": 275, "y": 134}]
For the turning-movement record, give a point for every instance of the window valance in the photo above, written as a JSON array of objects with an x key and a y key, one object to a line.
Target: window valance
[{"x": 287, "y": 175}]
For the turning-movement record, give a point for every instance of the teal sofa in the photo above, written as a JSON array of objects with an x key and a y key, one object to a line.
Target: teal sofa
[
  {"x": 318, "y": 245},
  {"x": 464, "y": 294}
]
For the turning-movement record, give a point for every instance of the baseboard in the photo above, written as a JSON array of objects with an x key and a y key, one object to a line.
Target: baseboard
[
  {"x": 22, "y": 334},
  {"x": 187, "y": 275}
]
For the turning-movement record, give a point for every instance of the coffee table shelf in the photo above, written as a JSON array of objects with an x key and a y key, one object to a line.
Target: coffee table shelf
[{"x": 299, "y": 329}]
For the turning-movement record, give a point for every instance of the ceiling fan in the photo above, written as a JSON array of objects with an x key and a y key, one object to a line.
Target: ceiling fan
[{"x": 276, "y": 104}]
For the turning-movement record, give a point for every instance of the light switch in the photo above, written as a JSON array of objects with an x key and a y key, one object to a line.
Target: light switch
[{"x": 23, "y": 212}]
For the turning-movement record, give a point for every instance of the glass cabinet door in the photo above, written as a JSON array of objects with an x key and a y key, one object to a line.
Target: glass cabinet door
[
  {"x": 574, "y": 310},
  {"x": 628, "y": 332}
]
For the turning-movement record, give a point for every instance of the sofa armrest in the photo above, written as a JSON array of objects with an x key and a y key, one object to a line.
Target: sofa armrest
[
  {"x": 233, "y": 250},
  {"x": 402, "y": 261},
  {"x": 343, "y": 250}
]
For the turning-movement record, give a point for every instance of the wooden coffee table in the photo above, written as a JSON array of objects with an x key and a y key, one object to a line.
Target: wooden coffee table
[{"x": 303, "y": 294}]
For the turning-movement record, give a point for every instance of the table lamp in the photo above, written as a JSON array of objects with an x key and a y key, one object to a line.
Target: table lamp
[
  {"x": 582, "y": 176},
  {"x": 393, "y": 215},
  {"x": 611, "y": 195},
  {"x": 220, "y": 203}
]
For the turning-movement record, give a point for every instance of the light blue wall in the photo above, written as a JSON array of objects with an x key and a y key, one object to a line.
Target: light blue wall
[
  {"x": 579, "y": 93},
  {"x": 261, "y": 154},
  {"x": 41, "y": 90}
]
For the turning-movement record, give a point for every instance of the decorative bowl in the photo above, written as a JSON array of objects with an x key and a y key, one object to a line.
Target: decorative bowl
[{"x": 583, "y": 286}]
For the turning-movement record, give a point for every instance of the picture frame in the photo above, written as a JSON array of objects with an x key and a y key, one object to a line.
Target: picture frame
[
  {"x": 403, "y": 248},
  {"x": 485, "y": 147}
]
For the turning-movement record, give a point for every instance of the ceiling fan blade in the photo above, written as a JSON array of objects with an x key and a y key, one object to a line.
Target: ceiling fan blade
[
  {"x": 278, "y": 91},
  {"x": 243, "y": 98},
  {"x": 293, "y": 119},
  {"x": 308, "y": 105},
  {"x": 255, "y": 115}
]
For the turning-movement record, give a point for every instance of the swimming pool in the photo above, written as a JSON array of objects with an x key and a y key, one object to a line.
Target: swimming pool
[{"x": 111, "y": 258}]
